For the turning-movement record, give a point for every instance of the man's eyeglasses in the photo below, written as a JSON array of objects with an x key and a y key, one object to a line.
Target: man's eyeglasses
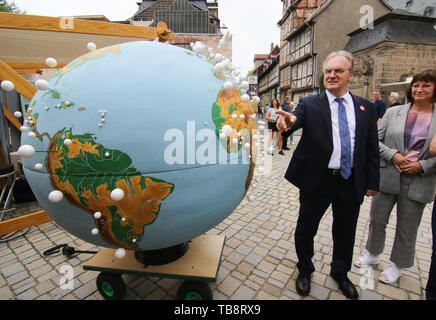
[{"x": 336, "y": 71}]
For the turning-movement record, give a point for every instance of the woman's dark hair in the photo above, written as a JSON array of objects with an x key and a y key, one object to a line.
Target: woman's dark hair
[
  {"x": 426, "y": 76},
  {"x": 278, "y": 103}
]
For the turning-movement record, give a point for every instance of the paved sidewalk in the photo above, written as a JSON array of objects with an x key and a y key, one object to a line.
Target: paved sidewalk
[{"x": 258, "y": 262}]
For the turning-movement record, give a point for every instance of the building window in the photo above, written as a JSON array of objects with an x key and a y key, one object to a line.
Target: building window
[
  {"x": 301, "y": 45},
  {"x": 302, "y": 74},
  {"x": 429, "y": 11}
]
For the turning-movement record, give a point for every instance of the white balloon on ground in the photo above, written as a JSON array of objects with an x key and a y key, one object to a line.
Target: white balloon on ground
[{"x": 17, "y": 114}]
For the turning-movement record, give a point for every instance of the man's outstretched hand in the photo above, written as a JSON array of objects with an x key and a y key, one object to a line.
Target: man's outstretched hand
[{"x": 285, "y": 120}]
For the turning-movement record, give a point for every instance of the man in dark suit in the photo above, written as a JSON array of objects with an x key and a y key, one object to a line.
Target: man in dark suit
[
  {"x": 380, "y": 104},
  {"x": 286, "y": 134},
  {"x": 335, "y": 163}
]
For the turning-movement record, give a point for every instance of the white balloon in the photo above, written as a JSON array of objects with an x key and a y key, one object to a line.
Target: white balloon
[
  {"x": 67, "y": 142},
  {"x": 51, "y": 62},
  {"x": 26, "y": 151},
  {"x": 120, "y": 253},
  {"x": 235, "y": 141},
  {"x": 247, "y": 146},
  {"x": 41, "y": 84},
  {"x": 117, "y": 194},
  {"x": 245, "y": 85},
  {"x": 94, "y": 231},
  {"x": 17, "y": 114},
  {"x": 55, "y": 196},
  {"x": 245, "y": 98},
  {"x": 97, "y": 215},
  {"x": 234, "y": 115},
  {"x": 227, "y": 129},
  {"x": 39, "y": 166},
  {"x": 31, "y": 135},
  {"x": 228, "y": 85},
  {"x": 7, "y": 85},
  {"x": 91, "y": 46},
  {"x": 219, "y": 67},
  {"x": 242, "y": 116}
]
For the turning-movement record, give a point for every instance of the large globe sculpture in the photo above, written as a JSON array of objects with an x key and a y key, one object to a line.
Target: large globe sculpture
[{"x": 140, "y": 146}]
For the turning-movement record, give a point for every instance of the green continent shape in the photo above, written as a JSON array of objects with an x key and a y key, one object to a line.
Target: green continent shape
[{"x": 86, "y": 172}]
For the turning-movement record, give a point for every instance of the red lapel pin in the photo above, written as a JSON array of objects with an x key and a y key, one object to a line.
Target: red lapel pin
[{"x": 362, "y": 108}]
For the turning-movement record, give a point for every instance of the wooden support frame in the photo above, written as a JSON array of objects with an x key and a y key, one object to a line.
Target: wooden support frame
[
  {"x": 24, "y": 222},
  {"x": 66, "y": 24},
  {"x": 21, "y": 84},
  {"x": 9, "y": 71}
]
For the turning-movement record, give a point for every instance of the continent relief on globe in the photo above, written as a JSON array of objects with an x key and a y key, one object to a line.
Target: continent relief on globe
[
  {"x": 86, "y": 176},
  {"x": 228, "y": 103}
]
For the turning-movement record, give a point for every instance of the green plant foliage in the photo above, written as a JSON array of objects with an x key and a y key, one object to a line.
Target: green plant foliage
[
  {"x": 10, "y": 6},
  {"x": 321, "y": 83}
]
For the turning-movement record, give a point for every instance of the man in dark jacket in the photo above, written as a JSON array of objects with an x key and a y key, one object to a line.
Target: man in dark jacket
[
  {"x": 286, "y": 106},
  {"x": 336, "y": 163}
]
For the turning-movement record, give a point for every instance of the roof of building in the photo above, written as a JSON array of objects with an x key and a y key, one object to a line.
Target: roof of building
[
  {"x": 200, "y": 4},
  {"x": 396, "y": 26},
  {"x": 415, "y": 7},
  {"x": 260, "y": 56},
  {"x": 421, "y": 7}
]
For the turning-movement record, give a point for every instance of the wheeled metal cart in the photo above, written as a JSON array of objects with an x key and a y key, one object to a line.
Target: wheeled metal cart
[{"x": 198, "y": 266}]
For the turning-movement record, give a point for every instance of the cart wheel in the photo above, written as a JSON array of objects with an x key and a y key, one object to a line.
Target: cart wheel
[
  {"x": 111, "y": 286},
  {"x": 194, "y": 290}
]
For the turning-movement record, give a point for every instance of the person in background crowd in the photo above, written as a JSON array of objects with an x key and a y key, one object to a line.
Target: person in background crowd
[
  {"x": 286, "y": 106},
  {"x": 272, "y": 116},
  {"x": 393, "y": 99},
  {"x": 380, "y": 105},
  {"x": 407, "y": 176},
  {"x": 259, "y": 111},
  {"x": 336, "y": 162}
]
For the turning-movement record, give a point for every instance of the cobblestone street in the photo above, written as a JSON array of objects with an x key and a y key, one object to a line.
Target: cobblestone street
[{"x": 258, "y": 261}]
